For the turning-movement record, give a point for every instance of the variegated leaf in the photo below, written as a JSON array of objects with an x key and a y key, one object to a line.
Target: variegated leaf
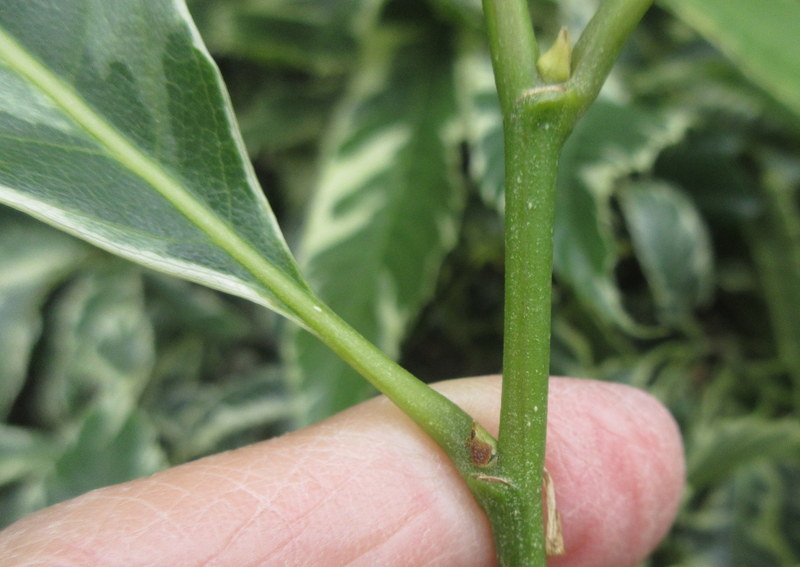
[{"x": 386, "y": 206}]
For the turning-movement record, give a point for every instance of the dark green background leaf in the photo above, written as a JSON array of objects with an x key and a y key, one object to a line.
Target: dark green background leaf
[
  {"x": 672, "y": 245},
  {"x": 610, "y": 143}
]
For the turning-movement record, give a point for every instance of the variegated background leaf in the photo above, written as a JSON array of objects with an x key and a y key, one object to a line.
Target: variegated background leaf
[{"x": 386, "y": 207}]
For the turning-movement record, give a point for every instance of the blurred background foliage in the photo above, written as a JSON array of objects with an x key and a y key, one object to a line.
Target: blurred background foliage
[{"x": 677, "y": 255}]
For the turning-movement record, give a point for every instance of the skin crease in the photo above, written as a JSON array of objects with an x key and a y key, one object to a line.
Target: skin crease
[{"x": 367, "y": 488}]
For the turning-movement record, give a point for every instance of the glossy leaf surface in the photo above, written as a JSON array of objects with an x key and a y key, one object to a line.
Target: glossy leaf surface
[
  {"x": 122, "y": 104},
  {"x": 760, "y": 37},
  {"x": 672, "y": 245}
]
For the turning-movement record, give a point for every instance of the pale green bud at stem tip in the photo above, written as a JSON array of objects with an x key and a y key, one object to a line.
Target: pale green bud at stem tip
[{"x": 555, "y": 65}]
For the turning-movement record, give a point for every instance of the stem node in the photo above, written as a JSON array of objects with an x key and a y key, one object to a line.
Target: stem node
[{"x": 481, "y": 446}]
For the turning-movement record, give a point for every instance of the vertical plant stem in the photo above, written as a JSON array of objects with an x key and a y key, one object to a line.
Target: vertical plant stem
[
  {"x": 514, "y": 506},
  {"x": 532, "y": 147},
  {"x": 514, "y": 49},
  {"x": 533, "y": 144},
  {"x": 537, "y": 119}
]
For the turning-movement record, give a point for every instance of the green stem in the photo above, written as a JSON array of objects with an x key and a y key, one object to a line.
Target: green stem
[
  {"x": 596, "y": 51},
  {"x": 514, "y": 49},
  {"x": 446, "y": 423},
  {"x": 533, "y": 140},
  {"x": 506, "y": 476},
  {"x": 537, "y": 120}
]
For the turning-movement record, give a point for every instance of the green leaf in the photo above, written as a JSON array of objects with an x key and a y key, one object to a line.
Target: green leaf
[
  {"x": 483, "y": 121},
  {"x": 278, "y": 114},
  {"x": 468, "y": 13},
  {"x": 196, "y": 419},
  {"x": 386, "y": 207},
  {"x": 33, "y": 259},
  {"x": 317, "y": 36},
  {"x": 764, "y": 528},
  {"x": 94, "y": 360},
  {"x": 750, "y": 520},
  {"x": 99, "y": 347},
  {"x": 114, "y": 126},
  {"x": 775, "y": 246},
  {"x": 18, "y": 500},
  {"x": 760, "y": 37},
  {"x": 106, "y": 449},
  {"x": 719, "y": 449},
  {"x": 25, "y": 458},
  {"x": 609, "y": 143},
  {"x": 22, "y": 453},
  {"x": 216, "y": 384},
  {"x": 672, "y": 245},
  {"x": 708, "y": 166}
]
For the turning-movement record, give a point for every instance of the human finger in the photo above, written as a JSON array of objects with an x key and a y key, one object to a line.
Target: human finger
[{"x": 367, "y": 487}]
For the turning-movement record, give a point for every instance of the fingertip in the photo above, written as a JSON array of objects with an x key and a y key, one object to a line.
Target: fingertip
[
  {"x": 334, "y": 494},
  {"x": 616, "y": 456}
]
